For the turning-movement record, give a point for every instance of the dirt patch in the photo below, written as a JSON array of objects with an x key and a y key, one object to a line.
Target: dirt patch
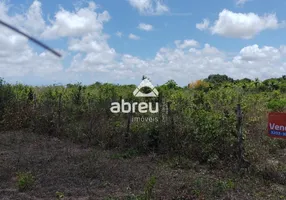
[{"x": 61, "y": 167}]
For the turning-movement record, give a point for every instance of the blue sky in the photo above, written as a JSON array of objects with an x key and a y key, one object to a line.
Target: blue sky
[{"x": 240, "y": 38}]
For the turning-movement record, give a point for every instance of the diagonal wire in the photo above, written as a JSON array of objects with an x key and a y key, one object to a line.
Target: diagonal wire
[{"x": 31, "y": 38}]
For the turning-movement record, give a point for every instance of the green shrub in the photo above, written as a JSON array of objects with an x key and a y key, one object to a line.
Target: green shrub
[
  {"x": 148, "y": 192},
  {"x": 222, "y": 186},
  {"x": 25, "y": 181},
  {"x": 59, "y": 195},
  {"x": 277, "y": 105},
  {"x": 200, "y": 125}
]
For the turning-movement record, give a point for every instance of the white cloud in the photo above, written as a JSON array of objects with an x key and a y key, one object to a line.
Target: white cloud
[
  {"x": 95, "y": 60},
  {"x": 188, "y": 64},
  {"x": 204, "y": 25},
  {"x": 186, "y": 43},
  {"x": 84, "y": 29},
  {"x": 241, "y": 2},
  {"x": 262, "y": 62},
  {"x": 145, "y": 27},
  {"x": 17, "y": 58},
  {"x": 89, "y": 43},
  {"x": 76, "y": 24},
  {"x": 149, "y": 7},
  {"x": 255, "y": 54},
  {"x": 119, "y": 34},
  {"x": 31, "y": 21},
  {"x": 241, "y": 25},
  {"x": 34, "y": 19},
  {"x": 133, "y": 37}
]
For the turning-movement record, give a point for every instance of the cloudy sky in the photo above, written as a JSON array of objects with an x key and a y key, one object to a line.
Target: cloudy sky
[{"x": 119, "y": 41}]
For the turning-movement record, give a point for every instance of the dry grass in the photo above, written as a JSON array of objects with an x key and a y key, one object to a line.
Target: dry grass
[{"x": 86, "y": 173}]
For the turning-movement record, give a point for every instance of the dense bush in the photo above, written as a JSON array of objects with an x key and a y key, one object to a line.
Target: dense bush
[{"x": 198, "y": 121}]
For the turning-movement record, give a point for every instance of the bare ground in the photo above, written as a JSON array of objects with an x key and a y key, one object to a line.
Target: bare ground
[{"x": 90, "y": 173}]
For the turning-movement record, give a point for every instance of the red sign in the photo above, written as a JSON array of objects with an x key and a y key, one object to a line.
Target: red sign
[{"x": 277, "y": 125}]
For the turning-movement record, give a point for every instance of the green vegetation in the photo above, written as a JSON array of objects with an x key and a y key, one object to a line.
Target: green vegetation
[
  {"x": 130, "y": 153},
  {"x": 198, "y": 122},
  {"x": 60, "y": 195},
  {"x": 148, "y": 192},
  {"x": 208, "y": 187},
  {"x": 25, "y": 181}
]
